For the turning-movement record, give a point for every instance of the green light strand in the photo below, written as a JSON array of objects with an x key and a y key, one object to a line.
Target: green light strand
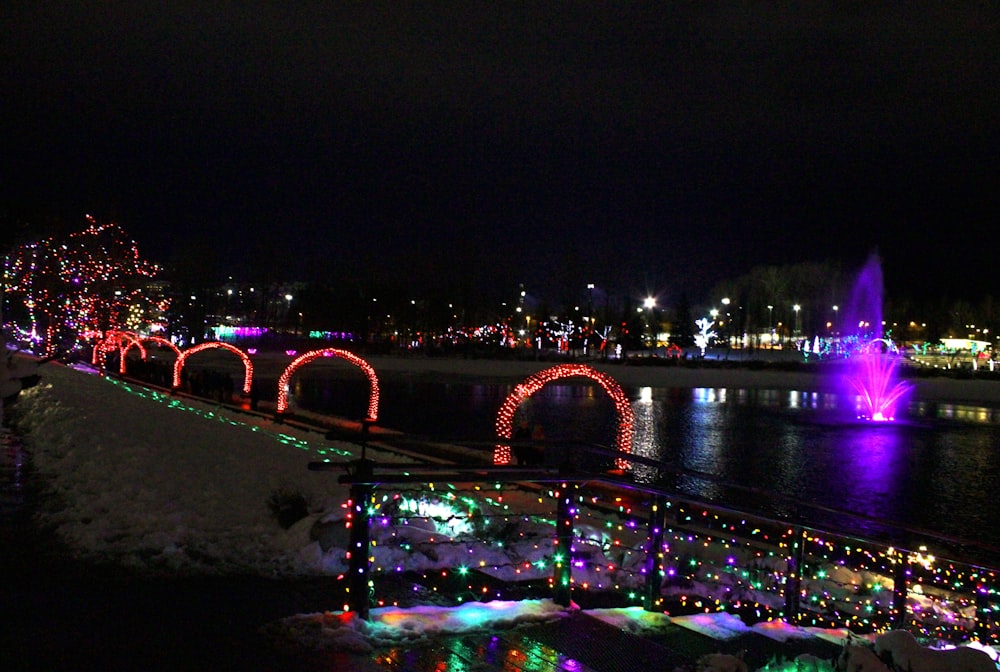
[{"x": 280, "y": 437}]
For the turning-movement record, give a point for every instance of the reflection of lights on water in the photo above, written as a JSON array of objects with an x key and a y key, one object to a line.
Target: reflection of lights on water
[
  {"x": 947, "y": 411},
  {"x": 805, "y": 400},
  {"x": 709, "y": 395},
  {"x": 646, "y": 440}
]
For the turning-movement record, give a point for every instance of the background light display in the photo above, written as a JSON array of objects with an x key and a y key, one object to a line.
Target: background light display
[{"x": 62, "y": 288}]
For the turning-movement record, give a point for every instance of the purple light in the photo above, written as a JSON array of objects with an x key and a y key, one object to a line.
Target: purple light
[
  {"x": 874, "y": 380},
  {"x": 872, "y": 358}
]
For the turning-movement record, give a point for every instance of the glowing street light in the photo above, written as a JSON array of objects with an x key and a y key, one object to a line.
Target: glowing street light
[
  {"x": 650, "y": 304},
  {"x": 796, "y": 308},
  {"x": 770, "y": 322}
]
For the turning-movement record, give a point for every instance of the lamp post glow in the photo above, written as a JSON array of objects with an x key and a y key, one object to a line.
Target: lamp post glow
[
  {"x": 650, "y": 303},
  {"x": 796, "y": 308},
  {"x": 770, "y": 322}
]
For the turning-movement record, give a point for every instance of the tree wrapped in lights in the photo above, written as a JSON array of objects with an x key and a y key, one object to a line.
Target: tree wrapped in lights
[{"x": 66, "y": 289}]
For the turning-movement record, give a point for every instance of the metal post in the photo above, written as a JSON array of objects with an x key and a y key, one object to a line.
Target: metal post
[
  {"x": 562, "y": 557},
  {"x": 900, "y": 589},
  {"x": 793, "y": 578},
  {"x": 360, "y": 540},
  {"x": 654, "y": 552},
  {"x": 983, "y": 612}
]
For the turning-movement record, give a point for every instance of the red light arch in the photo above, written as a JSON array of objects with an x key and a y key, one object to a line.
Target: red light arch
[
  {"x": 123, "y": 340},
  {"x": 301, "y": 360},
  {"x": 535, "y": 382},
  {"x": 142, "y": 351},
  {"x": 162, "y": 341},
  {"x": 183, "y": 355}
]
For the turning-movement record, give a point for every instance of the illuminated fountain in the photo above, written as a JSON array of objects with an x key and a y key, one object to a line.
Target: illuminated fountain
[
  {"x": 873, "y": 360},
  {"x": 873, "y": 377}
]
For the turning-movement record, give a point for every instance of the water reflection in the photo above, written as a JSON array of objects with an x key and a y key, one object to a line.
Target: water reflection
[
  {"x": 960, "y": 412},
  {"x": 937, "y": 469},
  {"x": 646, "y": 441}
]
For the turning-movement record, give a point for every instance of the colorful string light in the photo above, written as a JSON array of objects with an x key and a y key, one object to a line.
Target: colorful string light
[{"x": 87, "y": 282}]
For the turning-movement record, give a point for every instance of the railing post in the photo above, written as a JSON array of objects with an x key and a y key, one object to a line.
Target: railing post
[
  {"x": 360, "y": 539},
  {"x": 793, "y": 577},
  {"x": 562, "y": 557},
  {"x": 900, "y": 588},
  {"x": 654, "y": 552}
]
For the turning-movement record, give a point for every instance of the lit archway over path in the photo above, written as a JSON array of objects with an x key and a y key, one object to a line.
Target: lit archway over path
[
  {"x": 247, "y": 364},
  {"x": 123, "y": 341},
  {"x": 161, "y": 342},
  {"x": 535, "y": 382},
  {"x": 301, "y": 360},
  {"x": 142, "y": 351}
]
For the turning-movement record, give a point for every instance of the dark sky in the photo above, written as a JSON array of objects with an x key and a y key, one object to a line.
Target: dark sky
[{"x": 657, "y": 145}]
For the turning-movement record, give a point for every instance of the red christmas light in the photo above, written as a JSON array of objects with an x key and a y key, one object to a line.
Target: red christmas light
[
  {"x": 123, "y": 341},
  {"x": 301, "y": 360},
  {"x": 183, "y": 355},
  {"x": 535, "y": 382}
]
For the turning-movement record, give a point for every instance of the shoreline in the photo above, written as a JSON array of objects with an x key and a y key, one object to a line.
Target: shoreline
[
  {"x": 770, "y": 374},
  {"x": 732, "y": 375}
]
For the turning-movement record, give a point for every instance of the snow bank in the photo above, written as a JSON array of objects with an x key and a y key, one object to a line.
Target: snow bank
[{"x": 145, "y": 480}]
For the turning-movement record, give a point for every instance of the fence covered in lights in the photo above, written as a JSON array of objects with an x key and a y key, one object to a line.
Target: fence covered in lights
[{"x": 666, "y": 555}]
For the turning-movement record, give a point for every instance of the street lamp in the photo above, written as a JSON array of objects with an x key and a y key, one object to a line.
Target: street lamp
[
  {"x": 796, "y": 308},
  {"x": 728, "y": 331},
  {"x": 770, "y": 321},
  {"x": 650, "y": 304}
]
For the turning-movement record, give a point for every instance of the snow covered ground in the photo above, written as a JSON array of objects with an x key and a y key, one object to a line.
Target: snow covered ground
[{"x": 168, "y": 485}]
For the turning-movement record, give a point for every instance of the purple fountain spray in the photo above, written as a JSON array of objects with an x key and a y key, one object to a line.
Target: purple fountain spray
[{"x": 873, "y": 359}]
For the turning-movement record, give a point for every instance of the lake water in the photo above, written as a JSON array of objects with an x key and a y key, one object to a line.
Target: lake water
[{"x": 938, "y": 468}]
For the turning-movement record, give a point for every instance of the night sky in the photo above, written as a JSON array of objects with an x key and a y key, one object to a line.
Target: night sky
[{"x": 653, "y": 146}]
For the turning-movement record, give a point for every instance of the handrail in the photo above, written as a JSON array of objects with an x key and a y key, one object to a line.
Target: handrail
[{"x": 898, "y": 564}]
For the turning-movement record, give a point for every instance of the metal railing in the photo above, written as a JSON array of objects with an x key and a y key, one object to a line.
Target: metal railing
[{"x": 679, "y": 554}]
